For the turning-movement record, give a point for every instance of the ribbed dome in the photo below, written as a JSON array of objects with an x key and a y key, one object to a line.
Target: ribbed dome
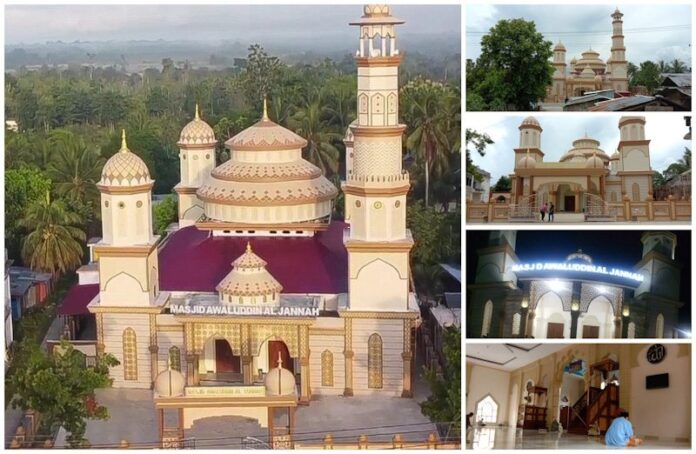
[
  {"x": 280, "y": 381},
  {"x": 559, "y": 47},
  {"x": 527, "y": 162},
  {"x": 197, "y": 133},
  {"x": 124, "y": 169},
  {"x": 249, "y": 277},
  {"x": 573, "y": 60},
  {"x": 584, "y": 148},
  {"x": 594, "y": 162},
  {"x": 170, "y": 383},
  {"x": 615, "y": 156},
  {"x": 590, "y": 58},
  {"x": 530, "y": 121},
  {"x": 266, "y": 180}
]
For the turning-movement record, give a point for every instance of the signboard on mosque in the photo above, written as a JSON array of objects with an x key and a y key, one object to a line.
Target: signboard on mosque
[
  {"x": 263, "y": 311},
  {"x": 226, "y": 391},
  {"x": 596, "y": 271}
]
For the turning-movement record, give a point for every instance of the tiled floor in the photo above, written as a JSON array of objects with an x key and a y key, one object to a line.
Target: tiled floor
[{"x": 508, "y": 438}]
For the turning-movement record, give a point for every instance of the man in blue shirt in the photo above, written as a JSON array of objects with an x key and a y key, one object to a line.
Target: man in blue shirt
[{"x": 620, "y": 432}]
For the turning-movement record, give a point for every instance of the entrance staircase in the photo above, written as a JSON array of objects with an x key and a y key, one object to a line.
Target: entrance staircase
[{"x": 600, "y": 407}]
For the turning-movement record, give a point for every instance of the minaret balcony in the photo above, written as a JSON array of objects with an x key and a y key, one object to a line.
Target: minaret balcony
[{"x": 379, "y": 181}]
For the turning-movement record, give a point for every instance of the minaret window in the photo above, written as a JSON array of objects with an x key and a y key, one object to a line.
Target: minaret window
[{"x": 374, "y": 361}]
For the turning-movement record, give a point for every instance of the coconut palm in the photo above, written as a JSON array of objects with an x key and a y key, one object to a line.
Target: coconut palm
[
  {"x": 74, "y": 169},
  {"x": 423, "y": 102},
  {"x": 677, "y": 66},
  {"x": 54, "y": 242},
  {"x": 320, "y": 149}
]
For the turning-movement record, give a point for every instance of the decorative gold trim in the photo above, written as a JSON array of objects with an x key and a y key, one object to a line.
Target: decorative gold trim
[
  {"x": 375, "y": 363},
  {"x": 633, "y": 142},
  {"x": 379, "y": 315},
  {"x": 376, "y": 192},
  {"x": 130, "y": 354},
  {"x": 198, "y": 146},
  {"x": 529, "y": 126},
  {"x": 221, "y": 225},
  {"x": 378, "y": 61},
  {"x": 185, "y": 190},
  {"x": 125, "y": 309},
  {"x": 170, "y": 328},
  {"x": 326, "y": 331},
  {"x": 303, "y": 200},
  {"x": 121, "y": 190},
  {"x": 327, "y": 368},
  {"x": 372, "y": 246},
  {"x": 378, "y": 131}
]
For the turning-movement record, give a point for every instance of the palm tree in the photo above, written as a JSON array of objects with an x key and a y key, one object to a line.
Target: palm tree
[
  {"x": 54, "y": 242},
  {"x": 320, "y": 150},
  {"x": 677, "y": 66},
  {"x": 663, "y": 66},
  {"x": 424, "y": 110},
  {"x": 74, "y": 169},
  {"x": 340, "y": 103}
]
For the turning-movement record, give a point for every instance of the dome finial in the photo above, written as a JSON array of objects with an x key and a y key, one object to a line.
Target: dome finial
[
  {"x": 248, "y": 248},
  {"x": 198, "y": 117},
  {"x": 124, "y": 145},
  {"x": 265, "y": 108},
  {"x": 280, "y": 360}
]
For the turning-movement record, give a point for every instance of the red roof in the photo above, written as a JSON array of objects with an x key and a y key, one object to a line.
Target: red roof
[
  {"x": 193, "y": 260},
  {"x": 77, "y": 299}
]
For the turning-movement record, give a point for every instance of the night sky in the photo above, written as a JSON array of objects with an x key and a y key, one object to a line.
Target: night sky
[{"x": 615, "y": 248}]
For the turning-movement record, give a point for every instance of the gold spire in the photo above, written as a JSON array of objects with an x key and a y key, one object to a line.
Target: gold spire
[
  {"x": 124, "y": 145},
  {"x": 280, "y": 360},
  {"x": 265, "y": 108},
  {"x": 248, "y": 248},
  {"x": 197, "y": 115}
]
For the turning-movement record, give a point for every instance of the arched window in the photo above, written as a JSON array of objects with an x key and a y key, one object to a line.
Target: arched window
[
  {"x": 175, "y": 358},
  {"x": 635, "y": 189},
  {"x": 487, "y": 316},
  {"x": 374, "y": 361},
  {"x": 487, "y": 410},
  {"x": 516, "y": 320},
  {"x": 327, "y": 378},
  {"x": 631, "y": 332},
  {"x": 130, "y": 355},
  {"x": 660, "y": 326}
]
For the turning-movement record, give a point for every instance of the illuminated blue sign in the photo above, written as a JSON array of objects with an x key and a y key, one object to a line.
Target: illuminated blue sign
[{"x": 578, "y": 268}]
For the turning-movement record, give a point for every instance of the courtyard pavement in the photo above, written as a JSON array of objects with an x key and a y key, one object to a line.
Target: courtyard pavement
[{"x": 133, "y": 418}]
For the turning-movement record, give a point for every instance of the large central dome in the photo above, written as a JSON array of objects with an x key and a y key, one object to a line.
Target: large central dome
[{"x": 266, "y": 181}]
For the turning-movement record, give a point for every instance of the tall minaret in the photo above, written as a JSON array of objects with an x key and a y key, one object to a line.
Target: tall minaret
[
  {"x": 619, "y": 64},
  {"x": 129, "y": 296},
  {"x": 379, "y": 243},
  {"x": 559, "y": 74},
  {"x": 196, "y": 161}
]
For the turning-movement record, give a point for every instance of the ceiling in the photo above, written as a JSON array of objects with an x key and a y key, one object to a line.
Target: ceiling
[{"x": 508, "y": 356}]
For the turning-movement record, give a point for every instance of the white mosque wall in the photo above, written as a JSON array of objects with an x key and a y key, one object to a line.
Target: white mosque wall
[
  {"x": 635, "y": 159},
  {"x": 386, "y": 271},
  {"x": 664, "y": 413},
  {"x": 114, "y": 324},
  {"x": 391, "y": 332},
  {"x": 484, "y": 381},
  {"x": 334, "y": 344},
  {"x": 549, "y": 309}
]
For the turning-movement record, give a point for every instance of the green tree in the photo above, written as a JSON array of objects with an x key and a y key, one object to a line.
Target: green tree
[
  {"x": 682, "y": 165},
  {"x": 504, "y": 184},
  {"x": 320, "y": 149},
  {"x": 165, "y": 212},
  {"x": 23, "y": 187},
  {"x": 445, "y": 402},
  {"x": 513, "y": 70},
  {"x": 677, "y": 66},
  {"x": 54, "y": 242},
  {"x": 423, "y": 108},
  {"x": 75, "y": 169},
  {"x": 631, "y": 72},
  {"x": 648, "y": 76},
  {"x": 261, "y": 75},
  {"x": 61, "y": 388},
  {"x": 476, "y": 141}
]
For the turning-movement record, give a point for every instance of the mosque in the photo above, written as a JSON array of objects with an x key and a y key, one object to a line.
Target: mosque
[
  {"x": 514, "y": 296},
  {"x": 586, "y": 178},
  {"x": 260, "y": 300},
  {"x": 590, "y": 72}
]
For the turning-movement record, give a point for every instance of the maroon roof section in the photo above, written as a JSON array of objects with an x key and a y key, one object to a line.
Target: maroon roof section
[
  {"x": 77, "y": 299},
  {"x": 193, "y": 260}
]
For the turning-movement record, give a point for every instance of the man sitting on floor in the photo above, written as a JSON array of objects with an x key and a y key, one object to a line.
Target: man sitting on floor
[{"x": 620, "y": 432}]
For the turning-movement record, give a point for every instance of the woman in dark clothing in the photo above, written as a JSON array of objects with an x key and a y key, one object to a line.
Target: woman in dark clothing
[{"x": 552, "y": 210}]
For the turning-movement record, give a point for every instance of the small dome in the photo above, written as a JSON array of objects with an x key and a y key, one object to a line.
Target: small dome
[
  {"x": 170, "y": 383},
  {"x": 579, "y": 256},
  {"x": 124, "y": 168},
  {"x": 279, "y": 381},
  {"x": 530, "y": 121},
  {"x": 527, "y": 162},
  {"x": 594, "y": 162},
  {"x": 573, "y": 60},
  {"x": 249, "y": 277},
  {"x": 266, "y": 135},
  {"x": 615, "y": 156},
  {"x": 587, "y": 72},
  {"x": 376, "y": 10},
  {"x": 559, "y": 47},
  {"x": 197, "y": 132}
]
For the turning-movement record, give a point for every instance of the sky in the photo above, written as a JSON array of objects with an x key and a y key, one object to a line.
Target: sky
[
  {"x": 40, "y": 23},
  {"x": 665, "y": 131},
  {"x": 652, "y": 32},
  {"x": 617, "y": 248}
]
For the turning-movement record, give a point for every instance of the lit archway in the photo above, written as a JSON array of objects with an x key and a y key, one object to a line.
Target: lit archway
[{"x": 487, "y": 410}]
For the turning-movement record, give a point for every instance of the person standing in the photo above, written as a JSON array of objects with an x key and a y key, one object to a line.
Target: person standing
[
  {"x": 552, "y": 211},
  {"x": 542, "y": 212}
]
